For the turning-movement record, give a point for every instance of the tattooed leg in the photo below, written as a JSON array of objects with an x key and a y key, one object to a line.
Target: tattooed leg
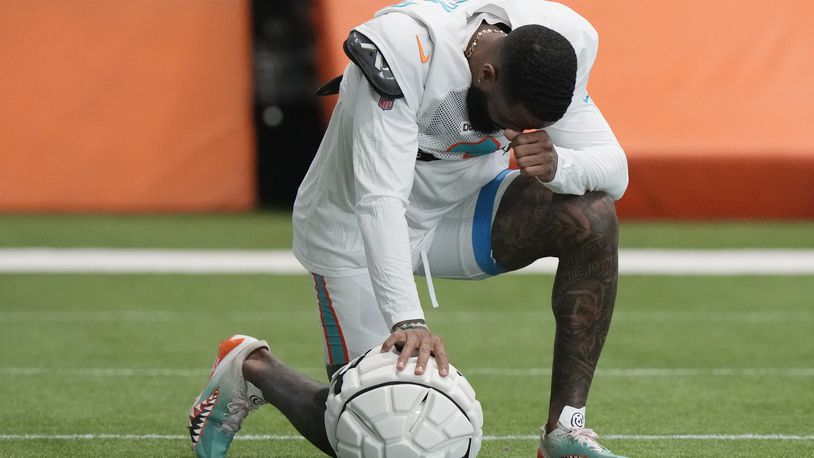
[
  {"x": 582, "y": 232},
  {"x": 299, "y": 398}
]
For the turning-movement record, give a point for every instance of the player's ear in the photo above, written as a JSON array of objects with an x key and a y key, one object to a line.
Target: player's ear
[{"x": 487, "y": 75}]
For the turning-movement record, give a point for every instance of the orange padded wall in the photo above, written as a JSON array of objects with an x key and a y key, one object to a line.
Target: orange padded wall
[
  {"x": 141, "y": 105},
  {"x": 713, "y": 101}
]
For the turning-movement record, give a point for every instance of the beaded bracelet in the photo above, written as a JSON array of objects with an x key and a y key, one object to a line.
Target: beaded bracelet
[{"x": 410, "y": 324}]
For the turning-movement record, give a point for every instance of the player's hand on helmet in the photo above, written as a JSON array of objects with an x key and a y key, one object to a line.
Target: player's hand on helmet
[
  {"x": 534, "y": 152},
  {"x": 418, "y": 340}
]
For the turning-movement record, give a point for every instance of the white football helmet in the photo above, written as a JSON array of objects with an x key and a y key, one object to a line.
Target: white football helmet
[{"x": 373, "y": 410}]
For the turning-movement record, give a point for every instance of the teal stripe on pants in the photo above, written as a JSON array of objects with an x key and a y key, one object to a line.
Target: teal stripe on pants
[{"x": 335, "y": 341}]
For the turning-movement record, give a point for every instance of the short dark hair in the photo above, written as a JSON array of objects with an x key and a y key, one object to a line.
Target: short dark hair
[{"x": 539, "y": 71}]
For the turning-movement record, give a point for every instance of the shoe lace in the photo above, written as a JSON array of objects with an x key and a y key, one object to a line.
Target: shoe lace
[
  {"x": 586, "y": 437},
  {"x": 237, "y": 410}
]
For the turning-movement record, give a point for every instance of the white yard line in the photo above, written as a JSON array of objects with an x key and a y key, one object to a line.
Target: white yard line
[
  {"x": 18, "y": 314},
  {"x": 651, "y": 372},
  {"x": 99, "y": 260},
  {"x": 631, "y": 261},
  {"x": 273, "y": 437},
  {"x": 635, "y": 373}
]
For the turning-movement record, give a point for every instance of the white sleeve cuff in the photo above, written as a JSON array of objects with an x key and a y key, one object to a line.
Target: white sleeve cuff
[{"x": 593, "y": 169}]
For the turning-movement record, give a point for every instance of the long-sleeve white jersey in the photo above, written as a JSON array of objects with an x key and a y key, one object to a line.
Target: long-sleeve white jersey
[{"x": 367, "y": 205}]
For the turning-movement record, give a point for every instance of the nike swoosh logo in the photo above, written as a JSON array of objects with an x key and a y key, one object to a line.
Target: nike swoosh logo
[{"x": 424, "y": 57}]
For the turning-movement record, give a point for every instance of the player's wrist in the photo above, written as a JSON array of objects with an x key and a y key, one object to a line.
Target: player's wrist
[{"x": 407, "y": 325}]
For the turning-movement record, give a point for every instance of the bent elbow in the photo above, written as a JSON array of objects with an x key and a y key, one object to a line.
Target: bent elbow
[{"x": 622, "y": 176}]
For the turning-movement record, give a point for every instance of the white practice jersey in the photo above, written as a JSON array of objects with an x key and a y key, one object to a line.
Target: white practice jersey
[{"x": 367, "y": 205}]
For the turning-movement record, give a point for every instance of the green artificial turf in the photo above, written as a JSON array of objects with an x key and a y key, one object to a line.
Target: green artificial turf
[
  {"x": 123, "y": 355},
  {"x": 237, "y": 231},
  {"x": 84, "y": 354}
]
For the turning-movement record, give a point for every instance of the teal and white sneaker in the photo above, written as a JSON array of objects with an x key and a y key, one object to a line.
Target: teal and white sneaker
[
  {"x": 570, "y": 439},
  {"x": 218, "y": 412}
]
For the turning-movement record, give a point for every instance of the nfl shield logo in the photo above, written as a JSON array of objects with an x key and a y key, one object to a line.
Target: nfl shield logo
[{"x": 386, "y": 103}]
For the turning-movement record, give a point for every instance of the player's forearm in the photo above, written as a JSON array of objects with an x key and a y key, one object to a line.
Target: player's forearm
[
  {"x": 597, "y": 168},
  {"x": 389, "y": 259}
]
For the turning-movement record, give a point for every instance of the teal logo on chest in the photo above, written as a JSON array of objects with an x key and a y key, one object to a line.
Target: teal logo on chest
[
  {"x": 447, "y": 5},
  {"x": 486, "y": 145}
]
